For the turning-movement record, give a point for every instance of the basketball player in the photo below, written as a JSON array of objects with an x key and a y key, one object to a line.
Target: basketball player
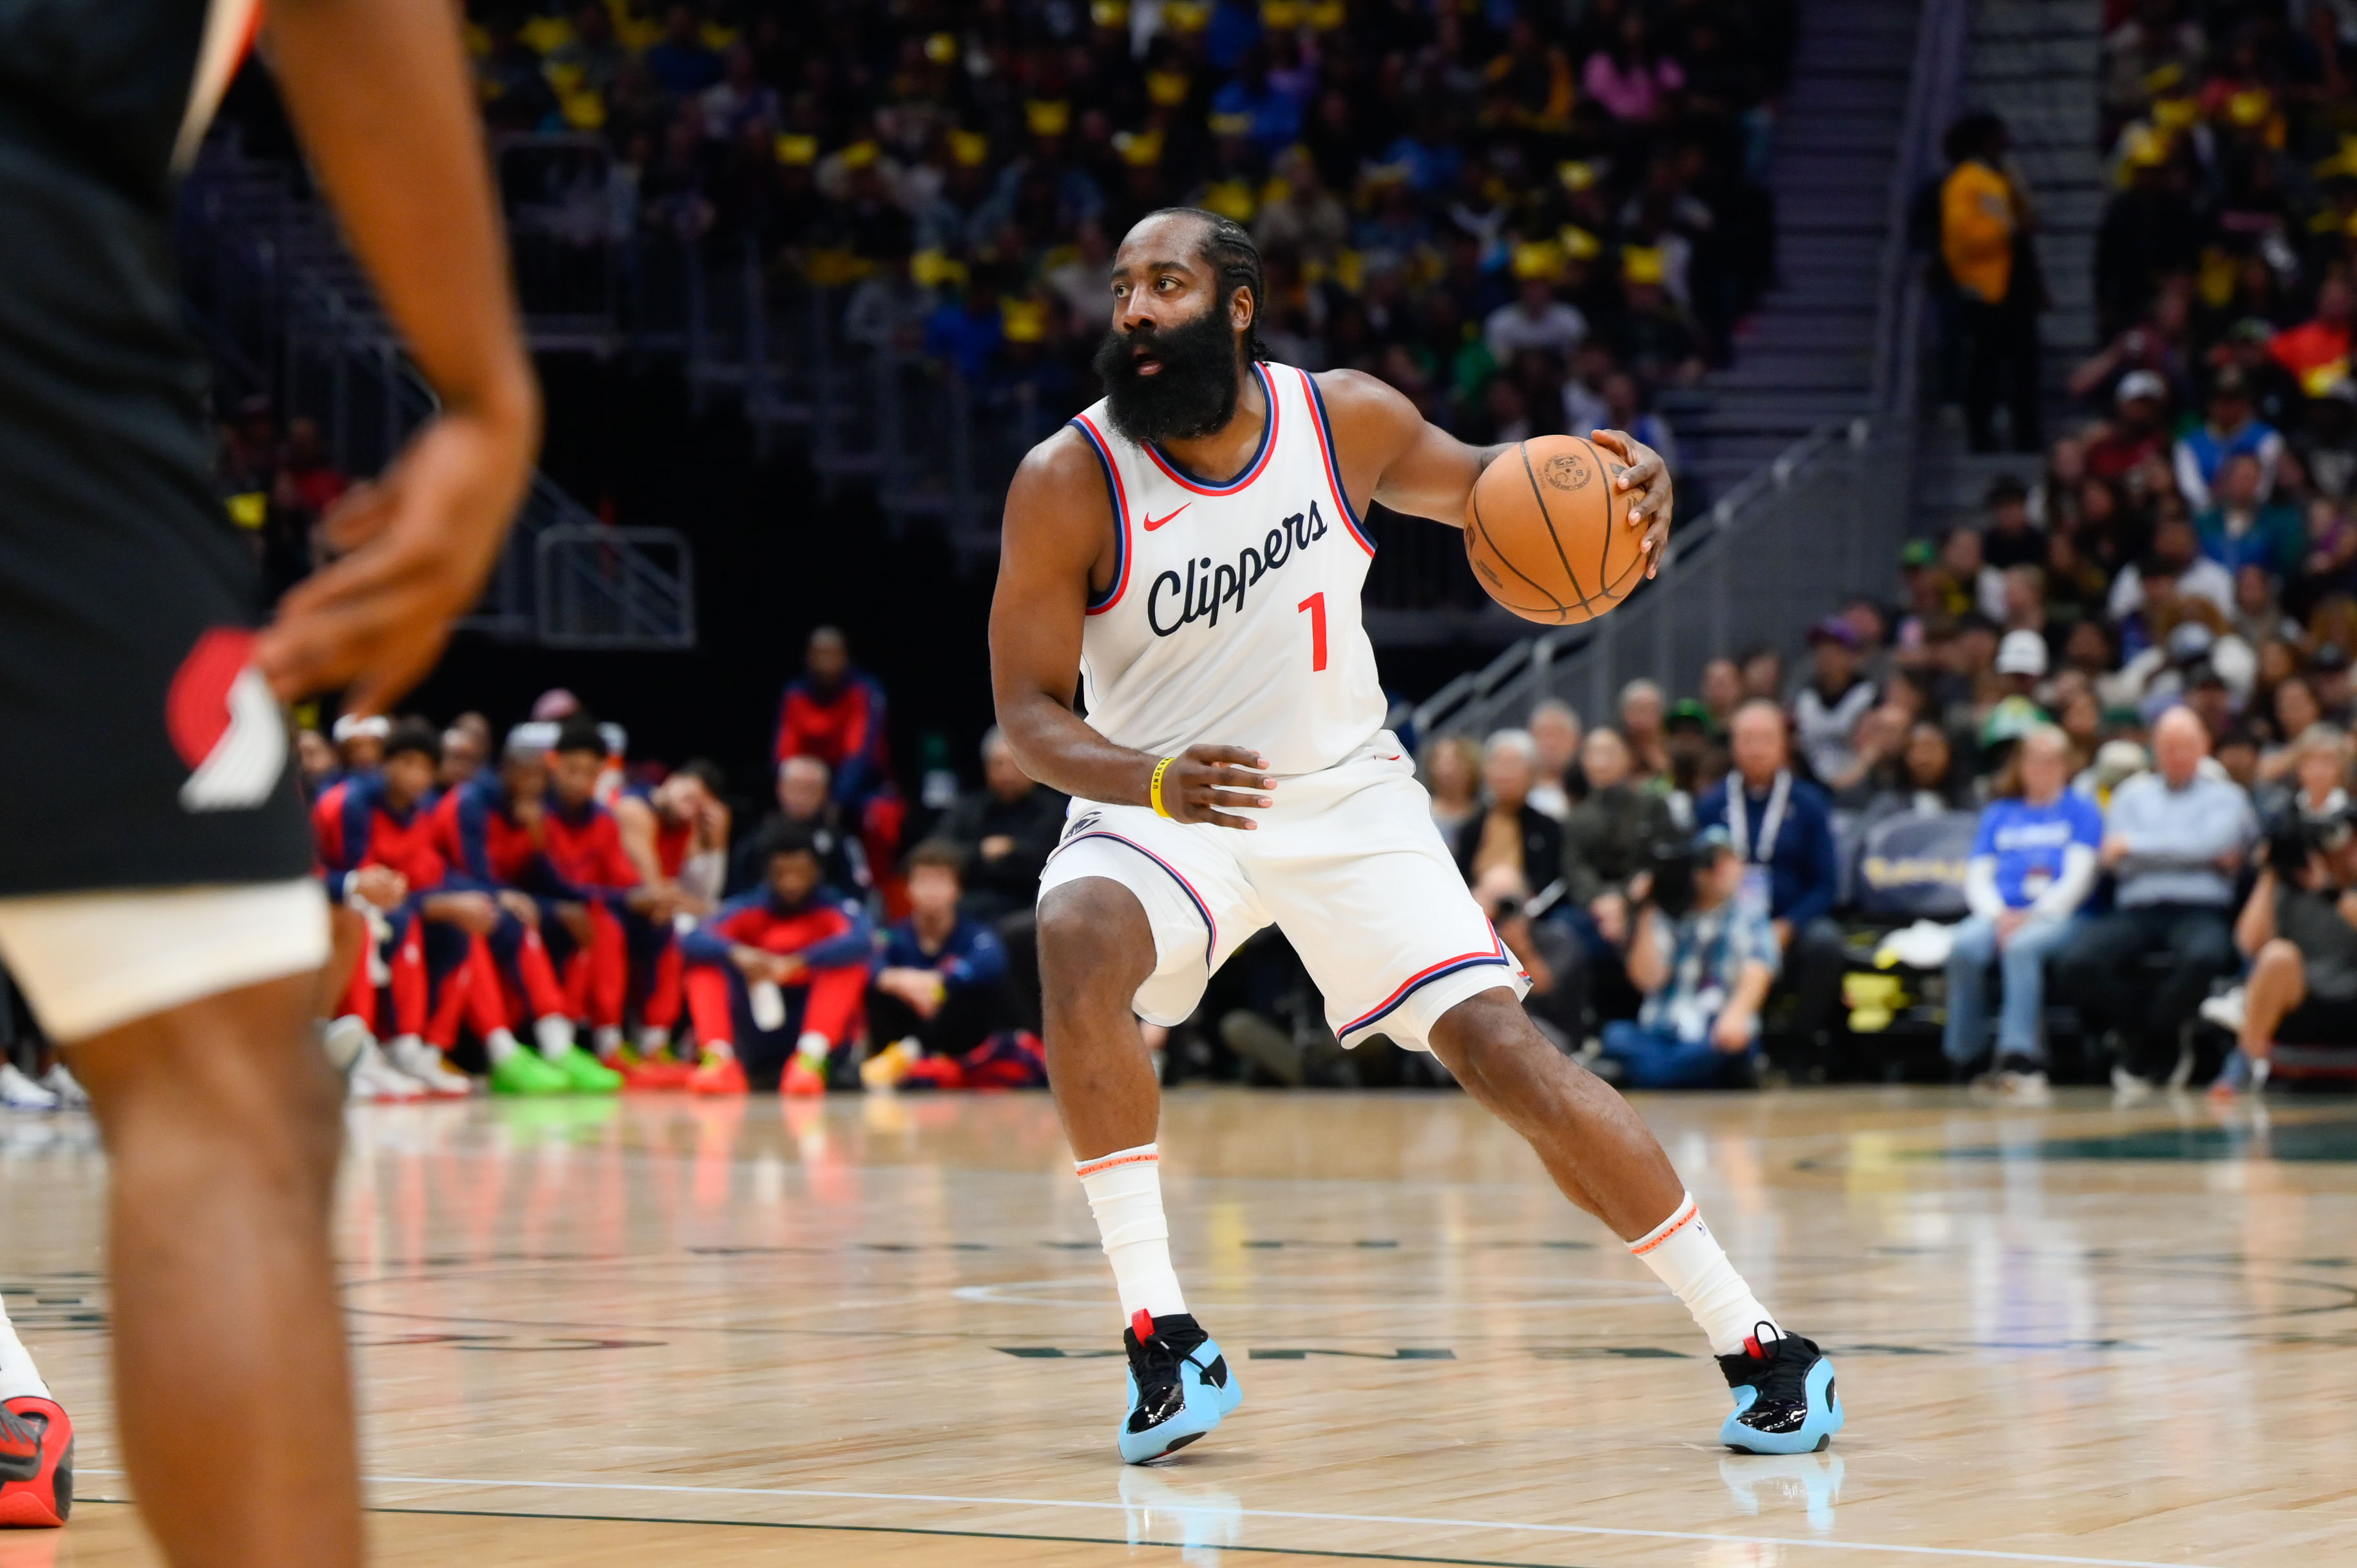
[
  {"x": 1191, "y": 548},
  {"x": 156, "y": 902}
]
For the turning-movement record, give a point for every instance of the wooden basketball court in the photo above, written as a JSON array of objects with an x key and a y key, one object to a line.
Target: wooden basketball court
[{"x": 660, "y": 1332}]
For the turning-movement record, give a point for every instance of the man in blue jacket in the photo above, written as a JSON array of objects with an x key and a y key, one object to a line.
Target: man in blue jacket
[{"x": 1781, "y": 829}]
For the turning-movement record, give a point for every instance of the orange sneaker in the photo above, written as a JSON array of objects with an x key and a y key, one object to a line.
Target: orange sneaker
[
  {"x": 718, "y": 1074},
  {"x": 36, "y": 1446},
  {"x": 800, "y": 1078}
]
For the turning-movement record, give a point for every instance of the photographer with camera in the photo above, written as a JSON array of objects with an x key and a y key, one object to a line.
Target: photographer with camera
[
  {"x": 1704, "y": 958},
  {"x": 2298, "y": 928}
]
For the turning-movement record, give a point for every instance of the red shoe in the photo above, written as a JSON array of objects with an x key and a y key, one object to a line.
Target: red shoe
[
  {"x": 37, "y": 1448},
  {"x": 658, "y": 1075},
  {"x": 721, "y": 1075},
  {"x": 934, "y": 1072},
  {"x": 802, "y": 1079}
]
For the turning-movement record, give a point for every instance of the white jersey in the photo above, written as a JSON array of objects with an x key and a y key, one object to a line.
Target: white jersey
[{"x": 1234, "y": 615}]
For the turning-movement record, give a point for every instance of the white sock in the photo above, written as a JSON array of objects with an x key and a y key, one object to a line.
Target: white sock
[
  {"x": 1125, "y": 1190},
  {"x": 719, "y": 1051},
  {"x": 812, "y": 1047},
  {"x": 606, "y": 1039},
  {"x": 554, "y": 1033},
  {"x": 500, "y": 1045},
  {"x": 652, "y": 1039},
  {"x": 17, "y": 1379},
  {"x": 1686, "y": 1256}
]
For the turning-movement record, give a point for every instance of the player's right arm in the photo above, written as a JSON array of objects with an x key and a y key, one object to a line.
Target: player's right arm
[
  {"x": 1057, "y": 536},
  {"x": 381, "y": 95}
]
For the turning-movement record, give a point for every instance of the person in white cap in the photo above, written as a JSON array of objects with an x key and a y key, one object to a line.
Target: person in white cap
[{"x": 2021, "y": 661}]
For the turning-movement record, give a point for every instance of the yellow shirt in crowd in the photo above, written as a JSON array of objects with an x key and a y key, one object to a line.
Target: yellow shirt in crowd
[{"x": 1976, "y": 230}]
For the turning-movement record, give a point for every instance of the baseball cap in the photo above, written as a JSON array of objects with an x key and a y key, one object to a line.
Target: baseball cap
[
  {"x": 2331, "y": 659},
  {"x": 2141, "y": 384},
  {"x": 1834, "y": 628},
  {"x": 2022, "y": 653},
  {"x": 2004, "y": 487},
  {"x": 1917, "y": 553},
  {"x": 1687, "y": 711},
  {"x": 1712, "y": 838}
]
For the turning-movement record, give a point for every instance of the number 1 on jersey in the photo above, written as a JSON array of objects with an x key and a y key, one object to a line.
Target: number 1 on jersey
[{"x": 1316, "y": 605}]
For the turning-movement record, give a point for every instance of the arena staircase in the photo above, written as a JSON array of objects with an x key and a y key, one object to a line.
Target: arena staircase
[
  {"x": 2035, "y": 63},
  {"x": 285, "y": 311},
  {"x": 1806, "y": 355}
]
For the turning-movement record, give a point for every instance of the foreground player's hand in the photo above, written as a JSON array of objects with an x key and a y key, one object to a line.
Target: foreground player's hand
[
  {"x": 1208, "y": 783},
  {"x": 1650, "y": 477},
  {"x": 420, "y": 541}
]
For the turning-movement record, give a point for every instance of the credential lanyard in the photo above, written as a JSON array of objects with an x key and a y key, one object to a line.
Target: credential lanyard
[{"x": 1771, "y": 820}]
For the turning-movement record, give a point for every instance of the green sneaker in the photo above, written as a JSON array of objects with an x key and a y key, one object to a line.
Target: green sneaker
[
  {"x": 525, "y": 1073},
  {"x": 585, "y": 1074}
]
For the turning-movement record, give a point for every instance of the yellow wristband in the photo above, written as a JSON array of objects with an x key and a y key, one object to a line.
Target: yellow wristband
[{"x": 1154, "y": 790}]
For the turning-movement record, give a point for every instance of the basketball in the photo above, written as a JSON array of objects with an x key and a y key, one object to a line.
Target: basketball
[{"x": 1547, "y": 533}]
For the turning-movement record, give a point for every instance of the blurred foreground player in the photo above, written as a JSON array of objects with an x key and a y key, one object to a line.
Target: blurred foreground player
[
  {"x": 168, "y": 932},
  {"x": 1233, "y": 771}
]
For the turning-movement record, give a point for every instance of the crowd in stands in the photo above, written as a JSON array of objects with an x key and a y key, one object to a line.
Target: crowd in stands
[{"x": 1522, "y": 213}]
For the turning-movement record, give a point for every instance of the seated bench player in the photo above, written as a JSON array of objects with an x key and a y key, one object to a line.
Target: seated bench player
[
  {"x": 488, "y": 831},
  {"x": 791, "y": 946},
  {"x": 593, "y": 886},
  {"x": 437, "y": 972},
  {"x": 676, "y": 833},
  {"x": 939, "y": 990}
]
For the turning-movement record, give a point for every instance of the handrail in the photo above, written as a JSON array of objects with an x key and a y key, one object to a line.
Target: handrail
[
  {"x": 1726, "y": 518},
  {"x": 1934, "y": 82}
]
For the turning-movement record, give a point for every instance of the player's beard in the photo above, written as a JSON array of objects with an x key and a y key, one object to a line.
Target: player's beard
[{"x": 1194, "y": 393}]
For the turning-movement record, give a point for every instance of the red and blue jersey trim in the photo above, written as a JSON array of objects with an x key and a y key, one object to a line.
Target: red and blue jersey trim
[
  {"x": 1099, "y": 604},
  {"x": 1210, "y": 926},
  {"x": 1496, "y": 955},
  {"x": 1333, "y": 467},
  {"x": 1203, "y": 486}
]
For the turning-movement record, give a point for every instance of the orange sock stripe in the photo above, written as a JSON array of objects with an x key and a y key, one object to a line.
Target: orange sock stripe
[
  {"x": 1111, "y": 1161},
  {"x": 1693, "y": 1210}
]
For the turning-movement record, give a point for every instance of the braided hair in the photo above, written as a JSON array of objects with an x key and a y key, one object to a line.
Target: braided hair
[{"x": 1237, "y": 260}]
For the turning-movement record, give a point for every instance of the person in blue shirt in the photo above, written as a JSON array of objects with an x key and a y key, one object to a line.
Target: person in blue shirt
[
  {"x": 1781, "y": 830},
  {"x": 1704, "y": 975},
  {"x": 2031, "y": 867},
  {"x": 940, "y": 981}
]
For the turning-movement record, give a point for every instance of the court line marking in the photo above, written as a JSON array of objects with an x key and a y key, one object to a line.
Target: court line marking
[
  {"x": 918, "y": 1530},
  {"x": 1977, "y": 1554}
]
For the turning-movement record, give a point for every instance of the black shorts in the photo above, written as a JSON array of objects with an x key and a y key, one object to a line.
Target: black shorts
[
  {"x": 134, "y": 751},
  {"x": 2320, "y": 1022},
  {"x": 138, "y": 746}
]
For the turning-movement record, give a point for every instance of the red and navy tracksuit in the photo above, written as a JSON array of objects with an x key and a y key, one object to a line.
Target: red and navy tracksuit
[
  {"x": 968, "y": 1042},
  {"x": 438, "y": 974},
  {"x": 844, "y": 729},
  {"x": 488, "y": 850},
  {"x": 829, "y": 933}
]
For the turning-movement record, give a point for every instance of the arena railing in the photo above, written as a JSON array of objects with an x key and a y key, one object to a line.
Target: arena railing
[
  {"x": 1819, "y": 524},
  {"x": 285, "y": 312}
]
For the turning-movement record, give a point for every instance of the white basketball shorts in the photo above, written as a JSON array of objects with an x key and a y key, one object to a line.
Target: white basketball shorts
[
  {"x": 1348, "y": 864},
  {"x": 89, "y": 963}
]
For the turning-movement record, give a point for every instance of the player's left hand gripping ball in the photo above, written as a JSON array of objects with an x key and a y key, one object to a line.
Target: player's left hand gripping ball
[{"x": 1650, "y": 477}]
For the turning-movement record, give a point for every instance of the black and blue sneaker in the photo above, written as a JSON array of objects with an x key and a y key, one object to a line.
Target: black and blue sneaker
[
  {"x": 1784, "y": 1396},
  {"x": 1179, "y": 1385}
]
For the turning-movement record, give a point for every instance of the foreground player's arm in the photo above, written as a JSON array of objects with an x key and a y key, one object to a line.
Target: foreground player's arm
[
  {"x": 380, "y": 93},
  {"x": 1057, "y": 533},
  {"x": 1389, "y": 452}
]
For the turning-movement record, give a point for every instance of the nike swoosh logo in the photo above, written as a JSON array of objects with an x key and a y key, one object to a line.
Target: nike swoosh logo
[{"x": 1153, "y": 522}]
